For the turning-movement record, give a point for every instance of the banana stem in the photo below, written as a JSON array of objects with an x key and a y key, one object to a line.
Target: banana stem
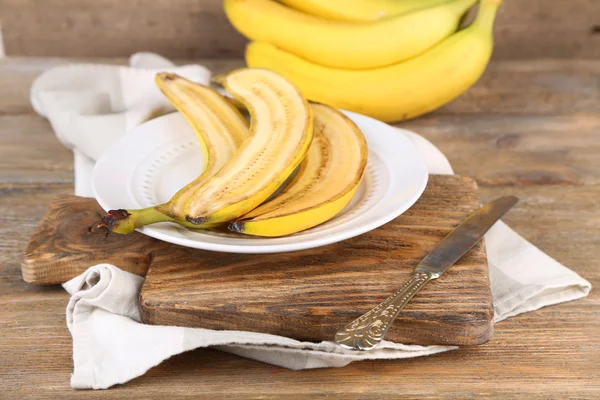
[
  {"x": 486, "y": 15},
  {"x": 126, "y": 221}
]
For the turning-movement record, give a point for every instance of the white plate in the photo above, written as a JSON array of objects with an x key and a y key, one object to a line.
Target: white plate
[{"x": 157, "y": 158}]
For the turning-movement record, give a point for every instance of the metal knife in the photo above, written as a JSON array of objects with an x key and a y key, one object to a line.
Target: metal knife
[{"x": 366, "y": 332}]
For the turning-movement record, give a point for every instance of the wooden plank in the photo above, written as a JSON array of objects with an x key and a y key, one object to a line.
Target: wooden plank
[
  {"x": 107, "y": 28},
  {"x": 310, "y": 294},
  {"x": 532, "y": 29},
  {"x": 30, "y": 150},
  {"x": 67, "y": 242},
  {"x": 558, "y": 220},
  {"x": 545, "y": 87},
  {"x": 549, "y": 87},
  {"x": 188, "y": 28},
  {"x": 21, "y": 209},
  {"x": 508, "y": 150}
]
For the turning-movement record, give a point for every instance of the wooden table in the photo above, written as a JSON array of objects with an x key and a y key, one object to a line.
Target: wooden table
[{"x": 528, "y": 128}]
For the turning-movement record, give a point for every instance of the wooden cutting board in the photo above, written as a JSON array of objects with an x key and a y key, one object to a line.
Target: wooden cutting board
[{"x": 307, "y": 295}]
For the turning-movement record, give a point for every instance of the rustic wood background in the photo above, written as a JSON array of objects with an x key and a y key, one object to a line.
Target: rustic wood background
[
  {"x": 527, "y": 128},
  {"x": 530, "y": 127},
  {"x": 525, "y": 29}
]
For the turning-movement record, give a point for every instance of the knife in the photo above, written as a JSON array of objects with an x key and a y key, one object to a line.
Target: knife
[{"x": 367, "y": 331}]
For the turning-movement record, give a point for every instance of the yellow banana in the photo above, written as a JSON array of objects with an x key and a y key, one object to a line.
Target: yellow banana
[
  {"x": 324, "y": 184},
  {"x": 349, "y": 45},
  {"x": 398, "y": 92},
  {"x": 280, "y": 133},
  {"x": 359, "y": 10},
  {"x": 220, "y": 129}
]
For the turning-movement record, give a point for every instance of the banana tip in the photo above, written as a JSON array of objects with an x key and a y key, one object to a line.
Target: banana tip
[
  {"x": 166, "y": 76},
  {"x": 110, "y": 219},
  {"x": 195, "y": 221},
  {"x": 237, "y": 226}
]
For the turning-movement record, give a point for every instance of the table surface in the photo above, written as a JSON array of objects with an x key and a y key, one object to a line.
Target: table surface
[{"x": 528, "y": 128}]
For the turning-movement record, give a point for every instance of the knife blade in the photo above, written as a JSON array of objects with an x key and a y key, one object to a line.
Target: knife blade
[{"x": 367, "y": 331}]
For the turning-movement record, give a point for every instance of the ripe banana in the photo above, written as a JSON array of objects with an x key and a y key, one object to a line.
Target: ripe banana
[
  {"x": 359, "y": 10},
  {"x": 281, "y": 130},
  {"x": 220, "y": 129},
  {"x": 349, "y": 45},
  {"x": 324, "y": 184},
  {"x": 397, "y": 92}
]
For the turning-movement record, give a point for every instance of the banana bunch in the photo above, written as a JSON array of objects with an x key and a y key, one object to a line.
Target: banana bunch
[
  {"x": 245, "y": 165},
  {"x": 389, "y": 59}
]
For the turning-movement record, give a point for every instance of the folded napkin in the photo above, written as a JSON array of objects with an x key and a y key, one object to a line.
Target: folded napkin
[
  {"x": 111, "y": 346},
  {"x": 91, "y": 106}
]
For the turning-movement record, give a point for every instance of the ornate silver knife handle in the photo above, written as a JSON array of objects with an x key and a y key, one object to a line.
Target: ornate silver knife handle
[{"x": 367, "y": 331}]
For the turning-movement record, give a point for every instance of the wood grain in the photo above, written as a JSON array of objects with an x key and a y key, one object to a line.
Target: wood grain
[
  {"x": 549, "y": 353},
  {"x": 107, "y": 28},
  {"x": 310, "y": 294},
  {"x": 518, "y": 150},
  {"x": 66, "y": 243},
  {"x": 525, "y": 29},
  {"x": 517, "y": 88},
  {"x": 306, "y": 295},
  {"x": 17, "y": 133}
]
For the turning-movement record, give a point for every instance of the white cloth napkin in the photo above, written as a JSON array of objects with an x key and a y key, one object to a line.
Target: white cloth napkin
[
  {"x": 91, "y": 106},
  {"x": 111, "y": 346}
]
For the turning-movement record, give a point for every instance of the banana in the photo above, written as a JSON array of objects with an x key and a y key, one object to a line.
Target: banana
[
  {"x": 359, "y": 10},
  {"x": 220, "y": 129},
  {"x": 281, "y": 130},
  {"x": 349, "y": 45},
  {"x": 324, "y": 184},
  {"x": 398, "y": 92}
]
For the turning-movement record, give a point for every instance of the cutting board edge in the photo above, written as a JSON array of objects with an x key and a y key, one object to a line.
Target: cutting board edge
[
  {"x": 449, "y": 329},
  {"x": 29, "y": 263},
  {"x": 51, "y": 258},
  {"x": 404, "y": 330}
]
